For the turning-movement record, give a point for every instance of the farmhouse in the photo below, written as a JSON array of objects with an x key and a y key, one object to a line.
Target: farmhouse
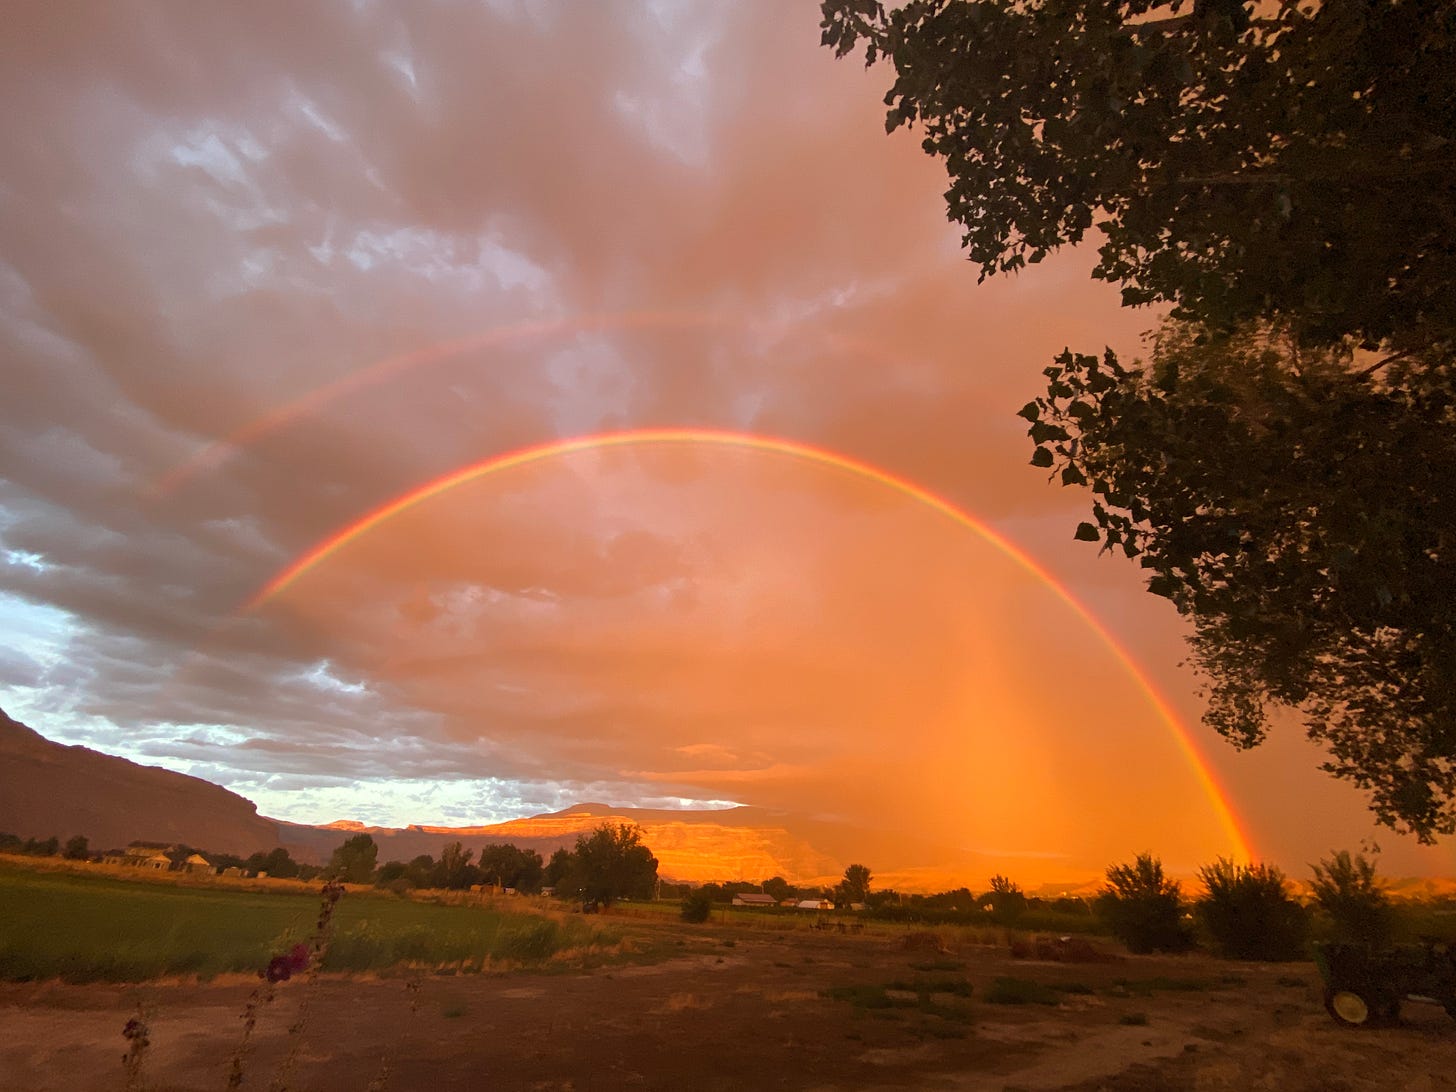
[
  {"x": 196, "y": 862},
  {"x": 151, "y": 855},
  {"x": 750, "y": 899},
  {"x": 814, "y": 904}
]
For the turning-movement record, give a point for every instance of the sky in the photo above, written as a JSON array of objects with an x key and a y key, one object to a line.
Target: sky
[{"x": 265, "y": 268}]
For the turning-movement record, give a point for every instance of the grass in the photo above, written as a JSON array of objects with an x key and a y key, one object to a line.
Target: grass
[
  {"x": 938, "y": 965},
  {"x": 85, "y": 928},
  {"x": 1146, "y": 987},
  {"x": 927, "y": 999},
  {"x": 1021, "y": 991}
]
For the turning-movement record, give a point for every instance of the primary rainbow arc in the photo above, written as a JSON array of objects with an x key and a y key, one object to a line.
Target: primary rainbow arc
[{"x": 794, "y": 449}]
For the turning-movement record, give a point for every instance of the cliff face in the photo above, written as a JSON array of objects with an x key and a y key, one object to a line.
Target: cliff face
[{"x": 48, "y": 788}]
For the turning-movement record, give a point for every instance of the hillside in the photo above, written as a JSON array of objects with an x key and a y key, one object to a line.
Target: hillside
[{"x": 48, "y": 788}]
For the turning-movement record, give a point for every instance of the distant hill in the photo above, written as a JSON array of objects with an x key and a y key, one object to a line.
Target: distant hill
[{"x": 49, "y": 789}]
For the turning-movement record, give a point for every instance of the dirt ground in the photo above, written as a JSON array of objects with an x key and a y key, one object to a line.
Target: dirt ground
[{"x": 739, "y": 1009}]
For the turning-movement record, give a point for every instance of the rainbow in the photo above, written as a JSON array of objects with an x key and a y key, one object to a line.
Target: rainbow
[
  {"x": 216, "y": 452},
  {"x": 793, "y": 449}
]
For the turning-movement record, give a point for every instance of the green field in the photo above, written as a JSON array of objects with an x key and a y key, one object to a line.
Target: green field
[{"x": 90, "y": 928}]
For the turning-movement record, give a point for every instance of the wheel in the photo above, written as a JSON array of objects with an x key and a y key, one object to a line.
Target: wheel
[{"x": 1352, "y": 1008}]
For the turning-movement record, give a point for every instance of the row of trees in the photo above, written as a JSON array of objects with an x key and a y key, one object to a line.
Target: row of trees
[
  {"x": 608, "y": 864},
  {"x": 1246, "y": 911},
  {"x": 75, "y": 849},
  {"x": 275, "y": 862},
  {"x": 1275, "y": 174},
  {"x": 605, "y": 865}
]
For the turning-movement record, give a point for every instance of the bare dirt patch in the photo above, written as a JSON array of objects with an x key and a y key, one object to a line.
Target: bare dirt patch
[{"x": 780, "y": 1010}]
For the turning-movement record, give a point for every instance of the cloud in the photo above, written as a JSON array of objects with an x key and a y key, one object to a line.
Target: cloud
[{"x": 268, "y": 268}]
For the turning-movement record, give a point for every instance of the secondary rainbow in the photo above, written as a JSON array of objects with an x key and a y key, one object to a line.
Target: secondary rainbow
[
  {"x": 314, "y": 401},
  {"x": 792, "y": 449}
]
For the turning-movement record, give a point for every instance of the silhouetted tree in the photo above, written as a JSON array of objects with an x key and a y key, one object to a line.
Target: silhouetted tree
[
  {"x": 1237, "y": 472},
  {"x": 276, "y": 862},
  {"x": 1237, "y": 160},
  {"x": 1249, "y": 914},
  {"x": 453, "y": 871},
  {"x": 1143, "y": 908},
  {"x": 778, "y": 887},
  {"x": 1277, "y": 173},
  {"x": 1346, "y": 889},
  {"x": 353, "y": 861},
  {"x": 855, "y": 886},
  {"x": 557, "y": 867},
  {"x": 509, "y": 866},
  {"x": 77, "y": 848},
  {"x": 1006, "y": 899},
  {"x": 612, "y": 863},
  {"x": 696, "y": 907}
]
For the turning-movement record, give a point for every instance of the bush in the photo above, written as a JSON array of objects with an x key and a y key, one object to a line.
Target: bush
[
  {"x": 1249, "y": 914},
  {"x": 1143, "y": 909},
  {"x": 1345, "y": 889},
  {"x": 697, "y": 906}
]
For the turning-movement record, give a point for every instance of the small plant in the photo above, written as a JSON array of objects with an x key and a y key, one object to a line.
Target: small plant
[
  {"x": 1249, "y": 914},
  {"x": 938, "y": 965},
  {"x": 862, "y": 996},
  {"x": 1346, "y": 890},
  {"x": 697, "y": 907},
  {"x": 1020, "y": 991},
  {"x": 1143, "y": 908},
  {"x": 138, "y": 1038},
  {"x": 280, "y": 968},
  {"x": 1133, "y": 1019}
]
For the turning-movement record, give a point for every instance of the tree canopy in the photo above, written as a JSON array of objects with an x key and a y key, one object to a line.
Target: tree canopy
[
  {"x": 608, "y": 864},
  {"x": 1285, "y": 465},
  {"x": 1239, "y": 159},
  {"x": 854, "y": 887},
  {"x": 353, "y": 861},
  {"x": 1301, "y": 512}
]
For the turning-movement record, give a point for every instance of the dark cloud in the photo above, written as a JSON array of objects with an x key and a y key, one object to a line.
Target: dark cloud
[{"x": 268, "y": 266}]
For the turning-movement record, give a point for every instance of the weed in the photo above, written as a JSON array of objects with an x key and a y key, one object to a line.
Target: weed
[
  {"x": 929, "y": 965},
  {"x": 862, "y": 996},
  {"x": 137, "y": 1035},
  {"x": 1146, "y": 987},
  {"x": 958, "y": 986},
  {"x": 1133, "y": 1019},
  {"x": 1020, "y": 991}
]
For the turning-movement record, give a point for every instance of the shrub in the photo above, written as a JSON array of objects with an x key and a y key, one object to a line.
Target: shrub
[
  {"x": 1143, "y": 909},
  {"x": 1020, "y": 991},
  {"x": 1249, "y": 914},
  {"x": 697, "y": 906},
  {"x": 1345, "y": 889}
]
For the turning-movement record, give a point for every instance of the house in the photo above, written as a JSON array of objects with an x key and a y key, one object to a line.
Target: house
[
  {"x": 235, "y": 872},
  {"x": 814, "y": 904},
  {"x": 151, "y": 855},
  {"x": 196, "y": 862},
  {"x": 750, "y": 899}
]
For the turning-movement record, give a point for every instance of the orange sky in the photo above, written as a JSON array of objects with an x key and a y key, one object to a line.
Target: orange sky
[{"x": 613, "y": 217}]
